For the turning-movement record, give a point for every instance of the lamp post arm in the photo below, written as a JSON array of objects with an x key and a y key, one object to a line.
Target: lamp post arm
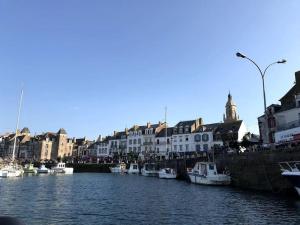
[
  {"x": 268, "y": 68},
  {"x": 261, "y": 73}
]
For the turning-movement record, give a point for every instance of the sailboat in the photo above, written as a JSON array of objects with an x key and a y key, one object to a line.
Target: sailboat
[
  {"x": 13, "y": 169},
  {"x": 167, "y": 173}
]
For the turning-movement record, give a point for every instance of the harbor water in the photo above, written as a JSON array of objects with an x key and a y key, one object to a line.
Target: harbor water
[{"x": 90, "y": 198}]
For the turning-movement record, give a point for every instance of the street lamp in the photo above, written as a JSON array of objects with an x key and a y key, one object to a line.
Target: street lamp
[{"x": 238, "y": 54}]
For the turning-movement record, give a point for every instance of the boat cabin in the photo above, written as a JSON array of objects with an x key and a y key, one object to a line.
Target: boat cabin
[{"x": 205, "y": 168}]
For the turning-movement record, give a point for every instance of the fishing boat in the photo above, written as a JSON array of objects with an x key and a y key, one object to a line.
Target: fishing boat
[
  {"x": 149, "y": 170},
  {"x": 43, "y": 169},
  {"x": 119, "y": 168},
  {"x": 29, "y": 168},
  {"x": 291, "y": 170},
  {"x": 206, "y": 173},
  {"x": 61, "y": 168},
  {"x": 134, "y": 168},
  {"x": 167, "y": 173},
  {"x": 13, "y": 169}
]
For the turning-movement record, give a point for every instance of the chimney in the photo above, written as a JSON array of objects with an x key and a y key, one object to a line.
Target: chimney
[
  {"x": 115, "y": 133},
  {"x": 126, "y": 130},
  {"x": 148, "y": 124}
]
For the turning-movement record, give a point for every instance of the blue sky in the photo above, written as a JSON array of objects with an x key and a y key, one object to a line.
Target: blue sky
[{"x": 93, "y": 67}]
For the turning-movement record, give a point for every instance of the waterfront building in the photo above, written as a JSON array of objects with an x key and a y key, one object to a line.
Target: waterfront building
[
  {"x": 135, "y": 139},
  {"x": 81, "y": 148},
  {"x": 182, "y": 136},
  {"x": 117, "y": 144},
  {"x": 163, "y": 143},
  {"x": 141, "y": 140},
  {"x": 281, "y": 122},
  {"x": 40, "y": 147},
  {"x": 101, "y": 148},
  {"x": 205, "y": 138}
]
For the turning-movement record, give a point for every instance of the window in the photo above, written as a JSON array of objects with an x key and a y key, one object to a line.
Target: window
[
  {"x": 134, "y": 149},
  {"x": 139, "y": 141},
  {"x": 186, "y": 138},
  {"x": 198, "y": 148},
  {"x": 134, "y": 141},
  {"x": 175, "y": 147},
  {"x": 130, "y": 149},
  {"x": 197, "y": 138},
  {"x": 205, "y": 137},
  {"x": 186, "y": 130},
  {"x": 139, "y": 149},
  {"x": 168, "y": 141},
  {"x": 180, "y": 148},
  {"x": 130, "y": 142},
  {"x": 187, "y": 148},
  {"x": 205, "y": 147},
  {"x": 157, "y": 141}
]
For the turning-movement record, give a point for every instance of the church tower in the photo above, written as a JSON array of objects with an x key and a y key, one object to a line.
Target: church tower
[{"x": 231, "y": 111}]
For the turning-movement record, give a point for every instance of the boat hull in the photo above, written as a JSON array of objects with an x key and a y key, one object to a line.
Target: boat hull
[
  {"x": 218, "y": 180},
  {"x": 294, "y": 178},
  {"x": 167, "y": 176},
  {"x": 117, "y": 170},
  {"x": 149, "y": 173}
]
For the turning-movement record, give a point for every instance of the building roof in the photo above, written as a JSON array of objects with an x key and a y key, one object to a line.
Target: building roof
[
  {"x": 62, "y": 131},
  {"x": 185, "y": 123},
  {"x": 207, "y": 127},
  {"x": 25, "y": 130},
  {"x": 229, "y": 127},
  {"x": 162, "y": 133}
]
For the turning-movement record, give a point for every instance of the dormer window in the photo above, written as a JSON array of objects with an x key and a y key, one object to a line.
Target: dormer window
[
  {"x": 180, "y": 130},
  {"x": 186, "y": 130}
]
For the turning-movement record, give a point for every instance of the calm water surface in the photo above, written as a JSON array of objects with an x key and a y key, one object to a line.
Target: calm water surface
[{"x": 130, "y": 199}]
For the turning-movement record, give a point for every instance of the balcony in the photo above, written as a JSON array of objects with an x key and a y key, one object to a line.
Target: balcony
[
  {"x": 287, "y": 126},
  {"x": 148, "y": 143}
]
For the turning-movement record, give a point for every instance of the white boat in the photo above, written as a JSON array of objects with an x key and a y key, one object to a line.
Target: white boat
[
  {"x": 291, "y": 170},
  {"x": 119, "y": 168},
  {"x": 61, "y": 168},
  {"x": 134, "y": 168},
  {"x": 167, "y": 173},
  {"x": 206, "y": 173},
  {"x": 43, "y": 169},
  {"x": 149, "y": 170},
  {"x": 13, "y": 169}
]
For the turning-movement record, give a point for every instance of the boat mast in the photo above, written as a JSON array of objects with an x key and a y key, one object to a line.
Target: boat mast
[
  {"x": 17, "y": 126},
  {"x": 166, "y": 129}
]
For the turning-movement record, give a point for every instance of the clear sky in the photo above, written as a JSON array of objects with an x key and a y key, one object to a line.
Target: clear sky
[{"x": 95, "y": 66}]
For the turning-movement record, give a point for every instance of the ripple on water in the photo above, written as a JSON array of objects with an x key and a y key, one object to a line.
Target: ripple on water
[{"x": 112, "y": 199}]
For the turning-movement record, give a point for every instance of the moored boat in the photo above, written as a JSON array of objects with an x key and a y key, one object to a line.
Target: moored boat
[
  {"x": 167, "y": 173},
  {"x": 134, "y": 168},
  {"x": 61, "y": 168},
  {"x": 29, "y": 168},
  {"x": 149, "y": 170},
  {"x": 42, "y": 169},
  {"x": 119, "y": 168},
  {"x": 11, "y": 170},
  {"x": 206, "y": 173},
  {"x": 291, "y": 170}
]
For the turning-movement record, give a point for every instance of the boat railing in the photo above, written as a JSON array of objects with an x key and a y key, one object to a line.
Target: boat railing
[{"x": 292, "y": 166}]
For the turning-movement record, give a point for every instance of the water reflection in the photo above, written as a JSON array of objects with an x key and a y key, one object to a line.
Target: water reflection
[{"x": 111, "y": 199}]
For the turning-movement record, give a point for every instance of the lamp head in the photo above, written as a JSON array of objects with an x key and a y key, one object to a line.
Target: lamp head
[
  {"x": 238, "y": 54},
  {"x": 282, "y": 61}
]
